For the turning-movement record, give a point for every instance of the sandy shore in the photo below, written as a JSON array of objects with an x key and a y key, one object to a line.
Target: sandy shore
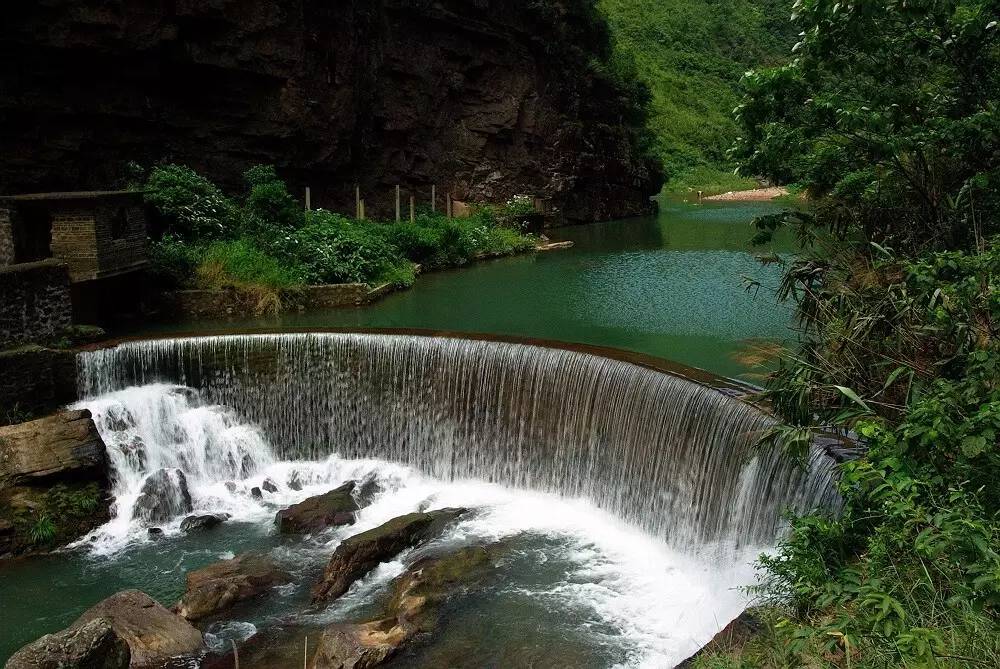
[{"x": 753, "y": 195}]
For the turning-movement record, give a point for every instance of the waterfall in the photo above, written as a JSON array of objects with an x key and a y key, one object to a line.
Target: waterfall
[{"x": 672, "y": 457}]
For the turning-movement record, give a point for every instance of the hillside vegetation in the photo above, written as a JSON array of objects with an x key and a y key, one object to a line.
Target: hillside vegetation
[{"x": 692, "y": 54}]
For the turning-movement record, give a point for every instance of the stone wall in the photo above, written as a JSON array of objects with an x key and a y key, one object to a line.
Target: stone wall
[
  {"x": 34, "y": 302},
  {"x": 231, "y": 303},
  {"x": 6, "y": 238},
  {"x": 94, "y": 243},
  {"x": 75, "y": 242},
  {"x": 34, "y": 381}
]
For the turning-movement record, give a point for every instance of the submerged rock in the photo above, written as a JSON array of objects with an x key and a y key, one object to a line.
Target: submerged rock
[
  {"x": 413, "y": 610},
  {"x": 153, "y": 634},
  {"x": 93, "y": 645},
  {"x": 269, "y": 485},
  {"x": 358, "y": 555},
  {"x": 164, "y": 495},
  {"x": 256, "y": 493},
  {"x": 231, "y": 487},
  {"x": 154, "y": 532},
  {"x": 203, "y": 522},
  {"x": 218, "y": 586},
  {"x": 317, "y": 513},
  {"x": 295, "y": 481}
]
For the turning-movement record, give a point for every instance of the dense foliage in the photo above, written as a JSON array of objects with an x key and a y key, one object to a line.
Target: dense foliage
[
  {"x": 887, "y": 116},
  {"x": 265, "y": 246},
  {"x": 691, "y": 54}
]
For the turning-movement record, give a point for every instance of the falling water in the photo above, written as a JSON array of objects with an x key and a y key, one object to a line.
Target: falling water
[{"x": 666, "y": 455}]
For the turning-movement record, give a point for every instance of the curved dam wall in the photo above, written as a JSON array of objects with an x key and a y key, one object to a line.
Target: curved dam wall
[{"x": 673, "y": 457}]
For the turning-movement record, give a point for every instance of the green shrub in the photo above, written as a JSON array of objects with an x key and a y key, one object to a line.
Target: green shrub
[
  {"x": 268, "y": 202},
  {"x": 42, "y": 531},
  {"x": 174, "y": 260},
  {"x": 333, "y": 249},
  {"x": 192, "y": 206}
]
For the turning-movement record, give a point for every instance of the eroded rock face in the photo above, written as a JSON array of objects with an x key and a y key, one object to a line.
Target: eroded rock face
[
  {"x": 319, "y": 512},
  {"x": 486, "y": 100},
  {"x": 219, "y": 586},
  {"x": 153, "y": 633},
  {"x": 93, "y": 645},
  {"x": 54, "y": 467},
  {"x": 164, "y": 496},
  {"x": 412, "y": 611},
  {"x": 358, "y": 555}
]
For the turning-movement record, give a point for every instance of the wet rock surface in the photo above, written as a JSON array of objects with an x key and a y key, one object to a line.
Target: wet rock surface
[
  {"x": 412, "y": 613},
  {"x": 359, "y": 554},
  {"x": 93, "y": 645},
  {"x": 153, "y": 634},
  {"x": 164, "y": 495},
  {"x": 203, "y": 522},
  {"x": 217, "y": 587},
  {"x": 319, "y": 512}
]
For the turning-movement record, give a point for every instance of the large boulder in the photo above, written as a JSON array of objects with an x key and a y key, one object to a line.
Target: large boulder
[
  {"x": 153, "y": 634},
  {"x": 413, "y": 610},
  {"x": 93, "y": 645},
  {"x": 358, "y": 555},
  {"x": 53, "y": 470},
  {"x": 218, "y": 586},
  {"x": 60, "y": 447},
  {"x": 164, "y": 495},
  {"x": 317, "y": 513}
]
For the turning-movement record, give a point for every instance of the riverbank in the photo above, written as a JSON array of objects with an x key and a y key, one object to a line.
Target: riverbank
[{"x": 751, "y": 195}]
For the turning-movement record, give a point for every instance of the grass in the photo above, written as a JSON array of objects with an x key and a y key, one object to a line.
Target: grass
[{"x": 692, "y": 54}]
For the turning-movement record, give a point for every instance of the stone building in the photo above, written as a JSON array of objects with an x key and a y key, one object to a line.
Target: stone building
[
  {"x": 97, "y": 234},
  {"x": 56, "y": 252}
]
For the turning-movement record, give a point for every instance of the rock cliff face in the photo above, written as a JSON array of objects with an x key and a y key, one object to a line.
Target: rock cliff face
[{"x": 485, "y": 98}]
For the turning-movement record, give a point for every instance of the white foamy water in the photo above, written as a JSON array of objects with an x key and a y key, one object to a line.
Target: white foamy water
[{"x": 660, "y": 603}]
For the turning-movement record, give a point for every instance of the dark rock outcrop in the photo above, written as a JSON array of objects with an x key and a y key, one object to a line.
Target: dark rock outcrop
[
  {"x": 93, "y": 645},
  {"x": 269, "y": 485},
  {"x": 319, "y": 512},
  {"x": 164, "y": 495},
  {"x": 153, "y": 633},
  {"x": 358, "y": 555},
  {"x": 217, "y": 587},
  {"x": 486, "y": 100},
  {"x": 203, "y": 522},
  {"x": 413, "y": 610},
  {"x": 53, "y": 470}
]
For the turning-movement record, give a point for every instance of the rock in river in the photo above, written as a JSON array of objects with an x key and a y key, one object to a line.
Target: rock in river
[
  {"x": 218, "y": 586},
  {"x": 164, "y": 496},
  {"x": 151, "y": 635},
  {"x": 203, "y": 522},
  {"x": 315, "y": 514},
  {"x": 358, "y": 555},
  {"x": 413, "y": 610},
  {"x": 93, "y": 645}
]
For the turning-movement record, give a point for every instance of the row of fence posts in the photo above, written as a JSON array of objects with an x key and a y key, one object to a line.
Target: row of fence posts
[{"x": 359, "y": 203}]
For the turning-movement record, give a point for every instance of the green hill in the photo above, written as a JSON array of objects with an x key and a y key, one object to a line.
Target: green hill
[{"x": 692, "y": 53}]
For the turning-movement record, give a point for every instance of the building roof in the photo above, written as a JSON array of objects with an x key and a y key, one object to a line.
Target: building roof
[{"x": 74, "y": 196}]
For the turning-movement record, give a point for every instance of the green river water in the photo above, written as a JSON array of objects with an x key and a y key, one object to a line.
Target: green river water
[{"x": 669, "y": 285}]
